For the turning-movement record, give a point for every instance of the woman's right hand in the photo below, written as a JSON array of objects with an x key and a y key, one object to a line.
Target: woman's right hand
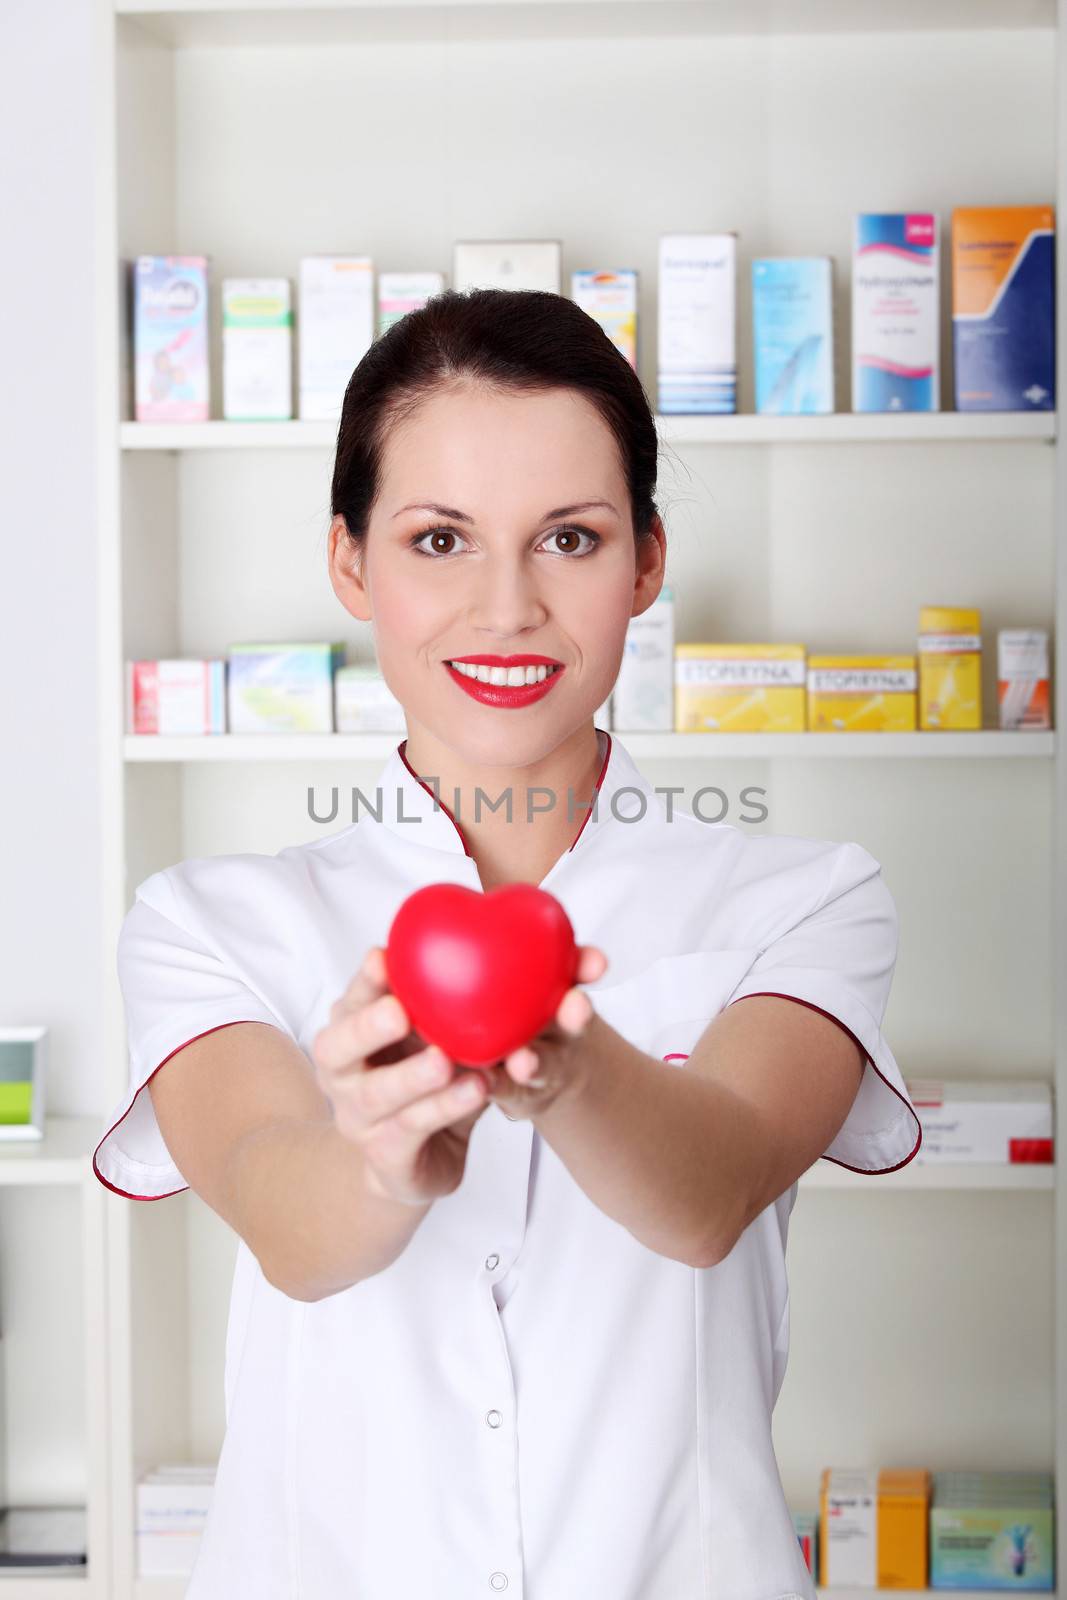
[{"x": 400, "y": 1100}]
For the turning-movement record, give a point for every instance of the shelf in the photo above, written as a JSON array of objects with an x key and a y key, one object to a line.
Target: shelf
[
  {"x": 62, "y": 1156},
  {"x": 948, "y": 1175},
  {"x": 220, "y": 22},
  {"x": 43, "y": 1585},
  {"x": 843, "y": 428},
  {"x": 174, "y": 1589},
  {"x": 642, "y": 746}
]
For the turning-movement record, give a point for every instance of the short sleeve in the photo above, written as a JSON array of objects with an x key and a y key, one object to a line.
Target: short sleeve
[
  {"x": 839, "y": 960},
  {"x": 175, "y": 988}
]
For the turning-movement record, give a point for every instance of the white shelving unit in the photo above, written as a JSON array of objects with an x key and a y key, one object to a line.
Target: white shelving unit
[{"x": 257, "y": 131}]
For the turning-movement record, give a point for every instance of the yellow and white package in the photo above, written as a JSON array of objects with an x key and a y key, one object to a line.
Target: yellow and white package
[
  {"x": 862, "y": 694},
  {"x": 739, "y": 688},
  {"x": 950, "y": 667},
  {"x": 873, "y": 1528}
]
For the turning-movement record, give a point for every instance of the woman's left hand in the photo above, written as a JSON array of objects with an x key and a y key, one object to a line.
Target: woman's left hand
[{"x": 530, "y": 1079}]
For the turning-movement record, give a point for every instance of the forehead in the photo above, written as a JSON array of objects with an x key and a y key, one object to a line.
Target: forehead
[{"x": 474, "y": 446}]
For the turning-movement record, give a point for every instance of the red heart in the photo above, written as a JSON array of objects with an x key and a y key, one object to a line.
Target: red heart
[{"x": 479, "y": 974}]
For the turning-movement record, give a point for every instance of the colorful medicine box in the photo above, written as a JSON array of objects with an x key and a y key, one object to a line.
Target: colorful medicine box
[
  {"x": 739, "y": 688},
  {"x": 862, "y": 694},
  {"x": 792, "y": 329},
  {"x": 178, "y": 697},
  {"x": 873, "y": 1528},
  {"x": 895, "y": 305},
  {"x": 170, "y": 339},
  {"x": 336, "y": 329},
  {"x": 642, "y": 698},
  {"x": 950, "y": 668},
  {"x": 282, "y": 688},
  {"x": 610, "y": 298},
  {"x": 257, "y": 350},
  {"x": 806, "y": 1528},
  {"x": 992, "y": 1530},
  {"x": 983, "y": 1120},
  {"x": 401, "y": 292},
  {"x": 1023, "y": 678},
  {"x": 364, "y": 702},
  {"x": 1003, "y": 308},
  {"x": 697, "y": 324}
]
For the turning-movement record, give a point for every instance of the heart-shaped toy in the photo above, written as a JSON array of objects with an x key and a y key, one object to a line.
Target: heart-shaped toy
[{"x": 479, "y": 974}]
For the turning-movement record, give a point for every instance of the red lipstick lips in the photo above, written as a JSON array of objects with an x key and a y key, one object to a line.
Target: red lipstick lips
[{"x": 500, "y": 694}]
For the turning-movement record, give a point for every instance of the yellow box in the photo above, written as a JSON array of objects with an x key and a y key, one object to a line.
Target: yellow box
[
  {"x": 874, "y": 1528},
  {"x": 903, "y": 1528},
  {"x": 950, "y": 667},
  {"x": 861, "y": 694},
  {"x": 739, "y": 688}
]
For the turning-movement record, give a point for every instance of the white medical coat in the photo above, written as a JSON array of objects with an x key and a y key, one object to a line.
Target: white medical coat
[{"x": 528, "y": 1399}]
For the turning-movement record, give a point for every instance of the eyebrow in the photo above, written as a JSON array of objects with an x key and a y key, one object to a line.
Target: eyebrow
[{"x": 461, "y": 516}]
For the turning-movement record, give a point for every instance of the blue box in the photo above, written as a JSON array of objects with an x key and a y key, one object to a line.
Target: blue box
[{"x": 792, "y": 321}]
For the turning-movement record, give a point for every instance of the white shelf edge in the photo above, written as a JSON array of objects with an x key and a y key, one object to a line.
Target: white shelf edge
[
  {"x": 843, "y": 427},
  {"x": 49, "y": 1583},
  {"x": 948, "y": 1175},
  {"x": 989, "y": 743}
]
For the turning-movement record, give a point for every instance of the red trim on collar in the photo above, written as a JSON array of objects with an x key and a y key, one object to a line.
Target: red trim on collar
[{"x": 455, "y": 824}]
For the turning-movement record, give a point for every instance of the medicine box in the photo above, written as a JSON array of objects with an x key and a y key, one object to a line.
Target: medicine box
[
  {"x": 1023, "y": 678},
  {"x": 950, "y": 667},
  {"x": 364, "y": 702},
  {"x": 175, "y": 697},
  {"x": 257, "y": 350},
  {"x": 862, "y": 694},
  {"x": 983, "y": 1120},
  {"x": 873, "y": 1528},
  {"x": 401, "y": 292},
  {"x": 792, "y": 329},
  {"x": 336, "y": 329},
  {"x": 610, "y": 298},
  {"x": 697, "y": 323},
  {"x": 739, "y": 688},
  {"x": 1003, "y": 308},
  {"x": 806, "y": 1527},
  {"x": 172, "y": 1508},
  {"x": 282, "y": 688},
  {"x": 507, "y": 264},
  {"x": 643, "y": 695},
  {"x": 170, "y": 339},
  {"x": 992, "y": 1530},
  {"x": 895, "y": 312}
]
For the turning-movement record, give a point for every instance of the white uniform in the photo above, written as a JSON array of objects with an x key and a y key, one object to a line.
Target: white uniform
[{"x": 528, "y": 1399}]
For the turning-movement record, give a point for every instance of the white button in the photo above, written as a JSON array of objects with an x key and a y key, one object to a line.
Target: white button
[
  {"x": 510, "y": 1119},
  {"x": 498, "y": 1580},
  {"x": 493, "y": 1418},
  {"x": 491, "y": 1262}
]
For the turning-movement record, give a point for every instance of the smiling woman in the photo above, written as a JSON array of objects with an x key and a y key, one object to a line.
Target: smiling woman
[{"x": 529, "y": 1331}]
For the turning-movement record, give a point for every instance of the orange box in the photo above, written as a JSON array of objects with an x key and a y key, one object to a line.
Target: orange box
[{"x": 874, "y": 1528}]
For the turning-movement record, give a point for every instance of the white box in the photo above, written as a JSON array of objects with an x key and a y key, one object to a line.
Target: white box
[
  {"x": 851, "y": 1554},
  {"x": 697, "y": 347},
  {"x": 602, "y": 717},
  {"x": 172, "y": 1508},
  {"x": 997, "y": 1121},
  {"x": 364, "y": 702},
  {"x": 507, "y": 264},
  {"x": 643, "y": 697},
  {"x": 257, "y": 350},
  {"x": 401, "y": 292},
  {"x": 176, "y": 698},
  {"x": 336, "y": 329}
]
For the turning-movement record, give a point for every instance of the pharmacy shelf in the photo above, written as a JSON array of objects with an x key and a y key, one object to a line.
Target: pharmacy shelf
[
  {"x": 927, "y": 1175},
  {"x": 62, "y": 1156},
  {"x": 990, "y": 743},
  {"x": 174, "y": 1589},
  {"x": 44, "y": 1585},
  {"x": 842, "y": 428}
]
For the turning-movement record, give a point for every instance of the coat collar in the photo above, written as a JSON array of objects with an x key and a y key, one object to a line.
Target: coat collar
[{"x": 405, "y": 798}]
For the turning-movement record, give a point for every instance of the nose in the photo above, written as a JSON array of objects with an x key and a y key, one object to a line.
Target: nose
[{"x": 505, "y": 599}]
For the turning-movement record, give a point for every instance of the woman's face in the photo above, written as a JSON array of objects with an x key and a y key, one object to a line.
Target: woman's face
[{"x": 467, "y": 553}]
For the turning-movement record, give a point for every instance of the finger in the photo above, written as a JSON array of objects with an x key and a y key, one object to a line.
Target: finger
[
  {"x": 387, "y": 1091},
  {"x": 574, "y": 1011},
  {"x": 344, "y": 1044},
  {"x": 592, "y": 963},
  {"x": 397, "y": 1139}
]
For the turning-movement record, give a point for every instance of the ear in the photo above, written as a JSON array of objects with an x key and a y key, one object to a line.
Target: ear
[
  {"x": 345, "y": 562},
  {"x": 651, "y": 565}
]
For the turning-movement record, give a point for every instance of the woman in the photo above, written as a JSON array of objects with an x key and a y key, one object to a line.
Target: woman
[{"x": 523, "y": 1329}]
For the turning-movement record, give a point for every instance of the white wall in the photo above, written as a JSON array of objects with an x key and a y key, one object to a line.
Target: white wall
[{"x": 49, "y": 844}]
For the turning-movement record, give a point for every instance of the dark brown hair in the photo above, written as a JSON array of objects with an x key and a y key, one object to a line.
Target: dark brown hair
[{"x": 518, "y": 339}]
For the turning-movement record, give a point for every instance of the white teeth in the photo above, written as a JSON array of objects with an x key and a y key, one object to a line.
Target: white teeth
[{"x": 512, "y": 677}]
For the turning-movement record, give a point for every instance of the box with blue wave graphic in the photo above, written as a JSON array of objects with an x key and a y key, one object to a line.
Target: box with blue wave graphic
[
  {"x": 792, "y": 322},
  {"x": 895, "y": 324},
  {"x": 1003, "y": 308}
]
